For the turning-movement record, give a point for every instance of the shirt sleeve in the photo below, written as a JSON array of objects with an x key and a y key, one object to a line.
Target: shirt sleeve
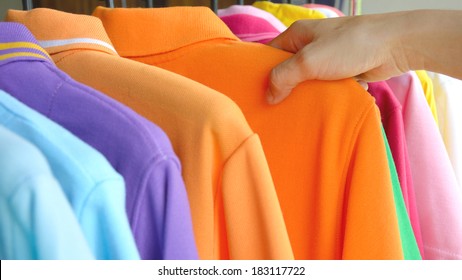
[
  {"x": 253, "y": 220},
  {"x": 105, "y": 222},
  {"x": 370, "y": 223},
  {"x": 49, "y": 223},
  {"x": 162, "y": 222},
  {"x": 36, "y": 219}
]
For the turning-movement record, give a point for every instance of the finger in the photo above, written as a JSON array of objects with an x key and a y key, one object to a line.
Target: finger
[
  {"x": 279, "y": 41},
  {"x": 363, "y": 83},
  {"x": 285, "y": 77},
  {"x": 295, "y": 37}
]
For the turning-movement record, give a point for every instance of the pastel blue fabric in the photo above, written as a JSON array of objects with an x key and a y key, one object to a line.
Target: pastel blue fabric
[
  {"x": 36, "y": 220},
  {"x": 94, "y": 190}
]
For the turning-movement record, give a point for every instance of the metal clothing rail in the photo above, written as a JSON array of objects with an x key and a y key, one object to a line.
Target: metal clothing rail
[
  {"x": 28, "y": 4},
  {"x": 110, "y": 3}
]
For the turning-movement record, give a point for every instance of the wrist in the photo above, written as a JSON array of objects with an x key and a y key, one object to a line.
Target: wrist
[
  {"x": 416, "y": 39},
  {"x": 396, "y": 33},
  {"x": 431, "y": 40},
  {"x": 405, "y": 41}
]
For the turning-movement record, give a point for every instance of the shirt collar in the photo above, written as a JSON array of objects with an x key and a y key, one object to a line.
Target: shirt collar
[
  {"x": 18, "y": 43},
  {"x": 58, "y": 31},
  {"x": 141, "y": 31}
]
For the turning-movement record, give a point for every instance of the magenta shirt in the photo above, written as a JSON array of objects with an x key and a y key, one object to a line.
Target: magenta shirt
[
  {"x": 253, "y": 11},
  {"x": 392, "y": 121},
  {"x": 250, "y": 28}
]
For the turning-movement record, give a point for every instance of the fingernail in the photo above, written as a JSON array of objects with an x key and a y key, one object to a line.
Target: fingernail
[
  {"x": 364, "y": 84},
  {"x": 269, "y": 97}
]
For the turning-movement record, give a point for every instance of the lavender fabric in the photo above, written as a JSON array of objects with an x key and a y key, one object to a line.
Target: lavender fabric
[{"x": 156, "y": 201}]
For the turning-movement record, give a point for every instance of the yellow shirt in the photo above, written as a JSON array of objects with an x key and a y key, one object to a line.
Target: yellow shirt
[
  {"x": 427, "y": 86},
  {"x": 288, "y": 13}
]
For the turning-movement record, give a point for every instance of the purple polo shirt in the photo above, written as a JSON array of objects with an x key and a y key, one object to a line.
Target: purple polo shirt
[{"x": 156, "y": 200}]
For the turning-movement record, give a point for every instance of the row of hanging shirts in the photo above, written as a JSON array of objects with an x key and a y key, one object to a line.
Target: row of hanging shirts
[{"x": 333, "y": 172}]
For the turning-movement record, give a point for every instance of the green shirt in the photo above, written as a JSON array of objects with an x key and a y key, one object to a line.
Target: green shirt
[{"x": 408, "y": 241}]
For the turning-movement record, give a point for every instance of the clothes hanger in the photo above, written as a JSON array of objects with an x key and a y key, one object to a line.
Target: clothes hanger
[
  {"x": 27, "y": 5},
  {"x": 110, "y": 3}
]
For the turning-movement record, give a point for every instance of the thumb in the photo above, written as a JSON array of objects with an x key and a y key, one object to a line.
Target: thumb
[{"x": 286, "y": 76}]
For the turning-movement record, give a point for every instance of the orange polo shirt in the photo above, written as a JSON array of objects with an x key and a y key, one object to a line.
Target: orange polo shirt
[
  {"x": 323, "y": 143},
  {"x": 234, "y": 207}
]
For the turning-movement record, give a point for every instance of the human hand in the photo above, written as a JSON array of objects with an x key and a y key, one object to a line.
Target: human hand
[{"x": 368, "y": 48}]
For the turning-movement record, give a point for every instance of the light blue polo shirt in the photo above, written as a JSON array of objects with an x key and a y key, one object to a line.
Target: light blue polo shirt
[
  {"x": 36, "y": 220},
  {"x": 94, "y": 190}
]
